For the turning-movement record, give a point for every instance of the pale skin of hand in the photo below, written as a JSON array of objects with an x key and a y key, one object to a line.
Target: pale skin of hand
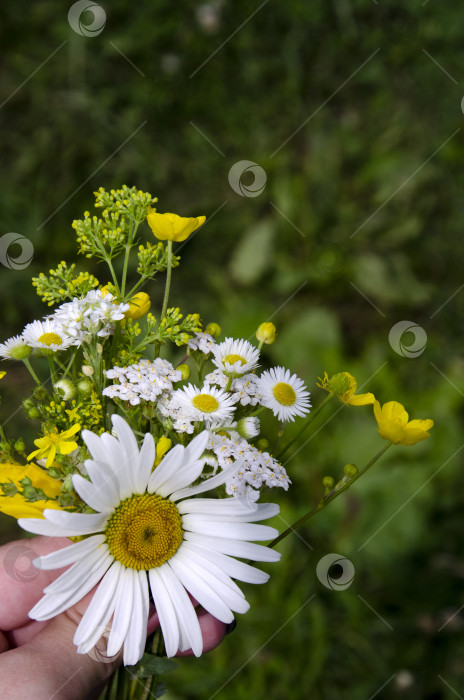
[{"x": 39, "y": 659}]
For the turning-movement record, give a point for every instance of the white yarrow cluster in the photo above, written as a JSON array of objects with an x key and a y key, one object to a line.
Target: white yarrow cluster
[
  {"x": 142, "y": 381},
  {"x": 204, "y": 342},
  {"x": 95, "y": 314},
  {"x": 257, "y": 468}
]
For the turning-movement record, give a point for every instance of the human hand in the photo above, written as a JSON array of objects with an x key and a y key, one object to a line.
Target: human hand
[{"x": 39, "y": 659}]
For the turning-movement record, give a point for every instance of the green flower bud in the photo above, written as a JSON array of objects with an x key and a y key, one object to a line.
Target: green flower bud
[
  {"x": 84, "y": 386},
  {"x": 262, "y": 444},
  {"x": 19, "y": 446},
  {"x": 33, "y": 413},
  {"x": 350, "y": 470},
  {"x": 266, "y": 333},
  {"x": 214, "y": 329},
  {"x": 328, "y": 482},
  {"x": 185, "y": 369}
]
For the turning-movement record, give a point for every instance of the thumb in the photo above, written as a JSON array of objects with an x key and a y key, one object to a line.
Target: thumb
[{"x": 54, "y": 669}]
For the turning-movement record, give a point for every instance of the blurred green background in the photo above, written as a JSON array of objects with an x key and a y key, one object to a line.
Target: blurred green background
[{"x": 353, "y": 110}]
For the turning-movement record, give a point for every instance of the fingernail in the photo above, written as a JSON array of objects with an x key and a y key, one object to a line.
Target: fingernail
[{"x": 231, "y": 626}]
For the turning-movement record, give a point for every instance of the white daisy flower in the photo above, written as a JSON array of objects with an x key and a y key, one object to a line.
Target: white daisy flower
[
  {"x": 235, "y": 356},
  {"x": 47, "y": 335},
  {"x": 208, "y": 404},
  {"x": 14, "y": 348},
  {"x": 284, "y": 394},
  {"x": 148, "y": 531}
]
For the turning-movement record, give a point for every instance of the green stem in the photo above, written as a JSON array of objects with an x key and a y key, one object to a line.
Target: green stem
[
  {"x": 31, "y": 371},
  {"x": 330, "y": 497},
  {"x": 113, "y": 274},
  {"x": 309, "y": 420},
  {"x": 168, "y": 281}
]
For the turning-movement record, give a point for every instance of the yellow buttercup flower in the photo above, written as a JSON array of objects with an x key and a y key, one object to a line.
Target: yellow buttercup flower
[
  {"x": 55, "y": 442},
  {"x": 139, "y": 305},
  {"x": 344, "y": 386},
  {"x": 17, "y": 506},
  {"x": 162, "y": 446},
  {"x": 171, "y": 227},
  {"x": 394, "y": 424},
  {"x": 2, "y": 374}
]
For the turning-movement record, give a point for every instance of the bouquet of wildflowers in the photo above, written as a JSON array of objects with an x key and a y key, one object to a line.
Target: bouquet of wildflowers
[{"x": 150, "y": 455}]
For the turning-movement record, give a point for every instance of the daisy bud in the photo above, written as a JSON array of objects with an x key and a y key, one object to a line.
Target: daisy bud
[
  {"x": 248, "y": 427},
  {"x": 266, "y": 333},
  {"x": 65, "y": 389},
  {"x": 214, "y": 329},
  {"x": 87, "y": 370},
  {"x": 84, "y": 386},
  {"x": 185, "y": 369}
]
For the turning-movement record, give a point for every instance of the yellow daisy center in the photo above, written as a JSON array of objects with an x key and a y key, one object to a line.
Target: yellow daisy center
[
  {"x": 50, "y": 339},
  {"x": 144, "y": 531},
  {"x": 232, "y": 359},
  {"x": 284, "y": 394},
  {"x": 205, "y": 403}
]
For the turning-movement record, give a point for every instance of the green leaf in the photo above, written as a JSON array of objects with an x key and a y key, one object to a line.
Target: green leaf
[{"x": 150, "y": 665}]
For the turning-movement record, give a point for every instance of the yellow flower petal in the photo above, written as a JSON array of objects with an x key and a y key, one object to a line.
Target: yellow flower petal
[
  {"x": 361, "y": 399},
  {"x": 171, "y": 227},
  {"x": 139, "y": 306},
  {"x": 393, "y": 424},
  {"x": 18, "y": 507},
  {"x": 163, "y": 445}
]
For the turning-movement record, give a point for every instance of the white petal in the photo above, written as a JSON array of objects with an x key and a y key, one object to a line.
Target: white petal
[
  {"x": 226, "y": 591},
  {"x": 69, "y": 555},
  {"x": 227, "y": 509},
  {"x": 234, "y": 530},
  {"x": 64, "y": 524},
  {"x": 181, "y": 478},
  {"x": 213, "y": 506},
  {"x": 146, "y": 460},
  {"x": 52, "y": 605},
  {"x": 244, "y": 550},
  {"x": 127, "y": 440},
  {"x": 212, "y": 483},
  {"x": 95, "y": 446},
  {"x": 120, "y": 464},
  {"x": 200, "y": 590},
  {"x": 95, "y": 619},
  {"x": 97, "y": 499},
  {"x": 86, "y": 523},
  {"x": 197, "y": 556},
  {"x": 137, "y": 633},
  {"x": 68, "y": 580},
  {"x": 166, "y": 468},
  {"x": 166, "y": 613},
  {"x": 232, "y": 567},
  {"x": 122, "y": 612},
  {"x": 195, "y": 449},
  {"x": 103, "y": 479},
  {"x": 186, "y": 615}
]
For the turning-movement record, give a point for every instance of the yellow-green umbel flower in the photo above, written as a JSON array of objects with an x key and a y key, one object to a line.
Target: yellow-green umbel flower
[
  {"x": 394, "y": 424},
  {"x": 171, "y": 227}
]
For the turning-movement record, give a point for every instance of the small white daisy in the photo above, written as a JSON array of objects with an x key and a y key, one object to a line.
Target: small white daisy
[
  {"x": 235, "y": 356},
  {"x": 284, "y": 394},
  {"x": 208, "y": 404},
  {"x": 47, "y": 335},
  {"x": 148, "y": 531},
  {"x": 14, "y": 348},
  {"x": 204, "y": 342}
]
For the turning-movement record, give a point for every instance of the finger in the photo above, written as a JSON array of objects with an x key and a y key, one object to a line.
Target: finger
[
  {"x": 20, "y": 582},
  {"x": 58, "y": 670}
]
